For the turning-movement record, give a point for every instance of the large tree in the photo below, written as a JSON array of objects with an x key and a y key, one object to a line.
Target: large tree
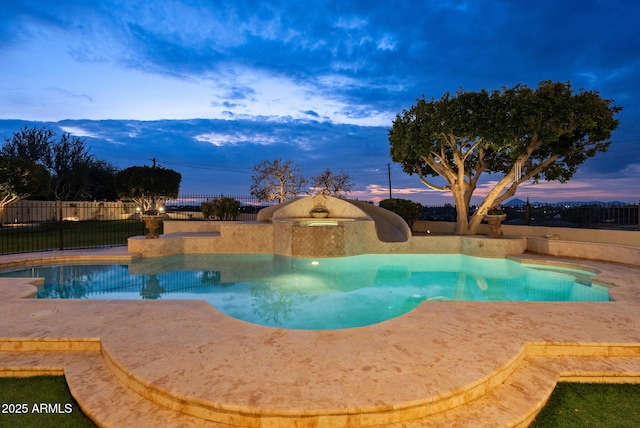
[
  {"x": 276, "y": 180},
  {"x": 518, "y": 134},
  {"x": 332, "y": 184},
  {"x": 75, "y": 173},
  {"x": 148, "y": 186},
  {"x": 19, "y": 179}
]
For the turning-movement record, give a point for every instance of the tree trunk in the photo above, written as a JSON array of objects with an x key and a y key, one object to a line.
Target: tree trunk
[
  {"x": 462, "y": 212},
  {"x": 462, "y": 221},
  {"x": 475, "y": 223}
]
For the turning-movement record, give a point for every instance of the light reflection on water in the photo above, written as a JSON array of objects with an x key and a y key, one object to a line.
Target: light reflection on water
[{"x": 317, "y": 293}]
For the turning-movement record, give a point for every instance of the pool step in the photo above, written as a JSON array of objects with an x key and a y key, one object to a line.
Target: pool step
[
  {"x": 101, "y": 396},
  {"x": 517, "y": 401},
  {"x": 514, "y": 403}
]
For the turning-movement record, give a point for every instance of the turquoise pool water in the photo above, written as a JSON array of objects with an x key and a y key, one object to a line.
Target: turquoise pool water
[{"x": 317, "y": 294}]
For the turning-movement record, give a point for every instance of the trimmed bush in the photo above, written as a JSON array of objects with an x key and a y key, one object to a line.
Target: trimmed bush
[
  {"x": 410, "y": 211},
  {"x": 222, "y": 208}
]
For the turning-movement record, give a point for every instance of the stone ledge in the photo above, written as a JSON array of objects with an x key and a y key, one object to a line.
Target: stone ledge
[
  {"x": 510, "y": 396},
  {"x": 553, "y": 246}
]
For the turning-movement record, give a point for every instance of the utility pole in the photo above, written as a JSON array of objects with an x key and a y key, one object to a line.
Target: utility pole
[
  {"x": 154, "y": 162},
  {"x": 389, "y": 171}
]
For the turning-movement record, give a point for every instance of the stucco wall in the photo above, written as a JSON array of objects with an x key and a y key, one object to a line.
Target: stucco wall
[
  {"x": 563, "y": 233},
  {"x": 292, "y": 238},
  {"x": 592, "y": 244}
]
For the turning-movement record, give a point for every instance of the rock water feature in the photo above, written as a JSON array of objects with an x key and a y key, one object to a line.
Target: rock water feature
[
  {"x": 325, "y": 226},
  {"x": 316, "y": 226}
]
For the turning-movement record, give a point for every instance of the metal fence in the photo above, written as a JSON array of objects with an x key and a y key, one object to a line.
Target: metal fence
[
  {"x": 60, "y": 225},
  {"x": 44, "y": 225},
  {"x": 52, "y": 225},
  {"x": 187, "y": 207},
  {"x": 614, "y": 216}
]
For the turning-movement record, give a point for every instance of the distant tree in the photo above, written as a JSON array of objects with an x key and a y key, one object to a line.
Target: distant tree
[
  {"x": 102, "y": 176},
  {"x": 222, "y": 208},
  {"x": 276, "y": 180},
  {"x": 71, "y": 165},
  {"x": 519, "y": 133},
  {"x": 33, "y": 144},
  {"x": 75, "y": 173},
  {"x": 332, "y": 184},
  {"x": 19, "y": 179},
  {"x": 148, "y": 186},
  {"x": 410, "y": 211}
]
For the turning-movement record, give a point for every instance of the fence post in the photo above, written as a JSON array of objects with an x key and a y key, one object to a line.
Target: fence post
[{"x": 60, "y": 225}]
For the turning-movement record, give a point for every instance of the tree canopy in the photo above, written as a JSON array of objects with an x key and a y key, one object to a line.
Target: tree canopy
[
  {"x": 410, "y": 211},
  {"x": 276, "y": 180},
  {"x": 332, "y": 184},
  {"x": 148, "y": 186},
  {"x": 75, "y": 173},
  {"x": 518, "y": 133},
  {"x": 21, "y": 178}
]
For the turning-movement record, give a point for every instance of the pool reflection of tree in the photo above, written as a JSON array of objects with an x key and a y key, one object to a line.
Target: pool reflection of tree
[
  {"x": 67, "y": 281},
  {"x": 152, "y": 289},
  {"x": 75, "y": 288},
  {"x": 277, "y": 301},
  {"x": 274, "y": 305}
]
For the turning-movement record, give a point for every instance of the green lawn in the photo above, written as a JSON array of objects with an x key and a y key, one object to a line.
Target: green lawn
[
  {"x": 69, "y": 234},
  {"x": 571, "y": 405},
  {"x": 600, "y": 405},
  {"x": 41, "y": 401}
]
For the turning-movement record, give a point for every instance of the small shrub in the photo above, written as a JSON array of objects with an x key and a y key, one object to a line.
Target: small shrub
[
  {"x": 410, "y": 211},
  {"x": 222, "y": 208}
]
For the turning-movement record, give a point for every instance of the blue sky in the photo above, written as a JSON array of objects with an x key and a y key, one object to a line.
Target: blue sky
[{"x": 211, "y": 88}]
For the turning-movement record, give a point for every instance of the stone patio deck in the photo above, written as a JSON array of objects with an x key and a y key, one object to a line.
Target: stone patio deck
[{"x": 183, "y": 363}]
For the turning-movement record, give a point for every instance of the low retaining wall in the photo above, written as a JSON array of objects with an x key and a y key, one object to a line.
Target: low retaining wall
[
  {"x": 625, "y": 254},
  {"x": 617, "y": 246},
  {"x": 200, "y": 237}
]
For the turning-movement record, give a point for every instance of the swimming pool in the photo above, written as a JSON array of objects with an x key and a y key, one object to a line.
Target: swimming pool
[{"x": 325, "y": 293}]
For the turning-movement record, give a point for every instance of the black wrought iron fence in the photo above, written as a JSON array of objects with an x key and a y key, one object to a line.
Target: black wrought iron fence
[
  {"x": 615, "y": 216},
  {"x": 43, "y": 225},
  {"x": 28, "y": 226},
  {"x": 54, "y": 225},
  {"x": 187, "y": 207},
  {"x": 587, "y": 216}
]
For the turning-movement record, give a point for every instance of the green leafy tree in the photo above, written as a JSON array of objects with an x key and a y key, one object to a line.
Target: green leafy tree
[
  {"x": 520, "y": 134},
  {"x": 33, "y": 144},
  {"x": 410, "y": 211},
  {"x": 276, "y": 180},
  {"x": 332, "y": 184},
  {"x": 75, "y": 173},
  {"x": 19, "y": 179},
  {"x": 222, "y": 208},
  {"x": 148, "y": 186},
  {"x": 102, "y": 176}
]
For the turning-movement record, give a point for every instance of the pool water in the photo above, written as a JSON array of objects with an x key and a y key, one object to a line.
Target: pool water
[{"x": 317, "y": 294}]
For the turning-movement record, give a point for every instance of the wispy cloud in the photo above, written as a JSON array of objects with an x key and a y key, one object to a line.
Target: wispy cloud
[
  {"x": 221, "y": 140},
  {"x": 235, "y": 82}
]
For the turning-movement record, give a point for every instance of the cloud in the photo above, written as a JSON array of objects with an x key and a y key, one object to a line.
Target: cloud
[
  {"x": 321, "y": 84},
  {"x": 77, "y": 131},
  {"x": 221, "y": 140}
]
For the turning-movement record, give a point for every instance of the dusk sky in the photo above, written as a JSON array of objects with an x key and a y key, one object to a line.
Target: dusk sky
[{"x": 212, "y": 88}]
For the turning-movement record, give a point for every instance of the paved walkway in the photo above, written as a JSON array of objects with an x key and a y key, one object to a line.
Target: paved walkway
[{"x": 183, "y": 363}]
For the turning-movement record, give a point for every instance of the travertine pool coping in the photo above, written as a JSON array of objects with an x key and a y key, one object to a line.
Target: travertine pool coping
[{"x": 187, "y": 356}]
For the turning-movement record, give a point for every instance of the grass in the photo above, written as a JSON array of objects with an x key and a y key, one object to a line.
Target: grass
[
  {"x": 571, "y": 405},
  {"x": 600, "y": 405},
  {"x": 40, "y": 401},
  {"x": 68, "y": 234}
]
